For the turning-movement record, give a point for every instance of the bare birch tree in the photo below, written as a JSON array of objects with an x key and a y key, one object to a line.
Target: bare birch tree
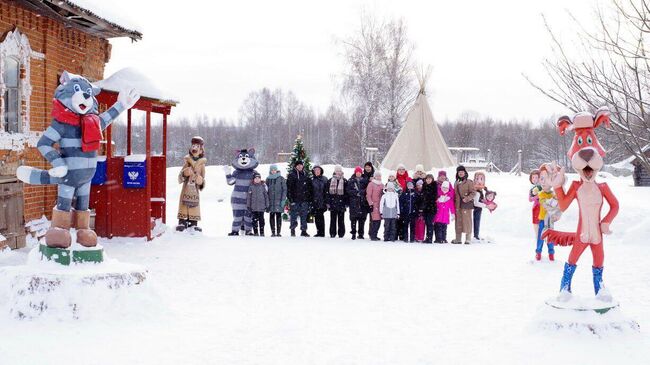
[
  {"x": 377, "y": 80},
  {"x": 608, "y": 66}
]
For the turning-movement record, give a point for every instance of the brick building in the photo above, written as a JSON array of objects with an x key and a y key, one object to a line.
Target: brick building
[{"x": 39, "y": 39}]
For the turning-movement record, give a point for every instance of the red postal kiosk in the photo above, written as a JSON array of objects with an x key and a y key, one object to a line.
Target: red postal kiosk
[{"x": 129, "y": 192}]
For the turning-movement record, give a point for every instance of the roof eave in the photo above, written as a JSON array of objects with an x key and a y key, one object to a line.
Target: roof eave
[{"x": 74, "y": 16}]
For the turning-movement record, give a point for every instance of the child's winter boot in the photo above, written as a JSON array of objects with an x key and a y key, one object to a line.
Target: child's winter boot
[
  {"x": 538, "y": 256},
  {"x": 551, "y": 257}
]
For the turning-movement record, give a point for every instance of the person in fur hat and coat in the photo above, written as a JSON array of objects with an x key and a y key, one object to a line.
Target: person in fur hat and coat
[
  {"x": 192, "y": 176},
  {"x": 374, "y": 191},
  {"x": 464, "y": 205}
]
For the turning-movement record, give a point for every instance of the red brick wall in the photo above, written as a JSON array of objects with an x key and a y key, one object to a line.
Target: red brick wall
[{"x": 64, "y": 49}]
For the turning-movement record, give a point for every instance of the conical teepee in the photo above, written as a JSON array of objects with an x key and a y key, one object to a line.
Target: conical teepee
[{"x": 419, "y": 141}]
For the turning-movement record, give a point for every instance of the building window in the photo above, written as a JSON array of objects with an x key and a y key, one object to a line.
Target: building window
[
  {"x": 11, "y": 97},
  {"x": 15, "y": 87}
]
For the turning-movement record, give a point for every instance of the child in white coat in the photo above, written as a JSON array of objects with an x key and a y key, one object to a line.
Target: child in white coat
[{"x": 389, "y": 210}]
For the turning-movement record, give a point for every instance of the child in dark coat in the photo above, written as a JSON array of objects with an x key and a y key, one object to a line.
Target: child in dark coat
[
  {"x": 408, "y": 204},
  {"x": 257, "y": 202}
]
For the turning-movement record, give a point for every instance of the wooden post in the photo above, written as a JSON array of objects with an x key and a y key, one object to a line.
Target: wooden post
[
  {"x": 110, "y": 180},
  {"x": 164, "y": 135},
  {"x": 519, "y": 163},
  {"x": 128, "y": 132},
  {"x": 489, "y": 160},
  {"x": 148, "y": 182},
  {"x": 164, "y": 157}
]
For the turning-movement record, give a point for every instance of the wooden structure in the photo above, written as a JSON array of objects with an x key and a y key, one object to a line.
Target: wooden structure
[
  {"x": 641, "y": 175},
  {"x": 12, "y": 230},
  {"x": 39, "y": 39},
  {"x": 126, "y": 212}
]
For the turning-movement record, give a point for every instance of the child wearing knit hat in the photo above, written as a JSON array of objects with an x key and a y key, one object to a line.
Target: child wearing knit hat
[
  {"x": 409, "y": 209},
  {"x": 257, "y": 202},
  {"x": 389, "y": 209},
  {"x": 445, "y": 212}
]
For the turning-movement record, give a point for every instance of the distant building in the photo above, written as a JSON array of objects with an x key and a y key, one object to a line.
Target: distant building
[{"x": 641, "y": 175}]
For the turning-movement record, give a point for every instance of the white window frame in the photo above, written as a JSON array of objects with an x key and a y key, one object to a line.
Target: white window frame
[{"x": 16, "y": 45}]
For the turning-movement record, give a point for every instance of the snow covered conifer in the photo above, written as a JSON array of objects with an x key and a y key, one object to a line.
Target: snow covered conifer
[{"x": 299, "y": 154}]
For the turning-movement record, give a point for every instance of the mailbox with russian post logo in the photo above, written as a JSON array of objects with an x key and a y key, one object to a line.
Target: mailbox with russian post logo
[{"x": 135, "y": 172}]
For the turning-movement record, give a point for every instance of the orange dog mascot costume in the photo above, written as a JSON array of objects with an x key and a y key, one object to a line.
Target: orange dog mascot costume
[{"x": 586, "y": 156}]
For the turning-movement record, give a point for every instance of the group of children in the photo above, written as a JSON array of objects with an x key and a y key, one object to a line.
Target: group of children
[{"x": 413, "y": 209}]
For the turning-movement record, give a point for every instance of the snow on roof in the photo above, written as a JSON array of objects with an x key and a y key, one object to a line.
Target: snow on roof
[
  {"x": 111, "y": 13},
  {"x": 132, "y": 78},
  {"x": 135, "y": 158}
]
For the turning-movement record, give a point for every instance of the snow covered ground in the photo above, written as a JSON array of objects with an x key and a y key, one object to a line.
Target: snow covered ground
[{"x": 212, "y": 299}]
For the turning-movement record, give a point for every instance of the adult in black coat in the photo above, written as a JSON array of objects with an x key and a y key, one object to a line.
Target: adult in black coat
[
  {"x": 368, "y": 173},
  {"x": 299, "y": 195},
  {"x": 358, "y": 203},
  {"x": 428, "y": 205},
  {"x": 319, "y": 186}
]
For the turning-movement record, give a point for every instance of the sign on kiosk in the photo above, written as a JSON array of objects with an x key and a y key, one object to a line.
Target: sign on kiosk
[{"x": 135, "y": 171}]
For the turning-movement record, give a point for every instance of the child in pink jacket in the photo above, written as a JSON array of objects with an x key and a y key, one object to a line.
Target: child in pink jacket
[{"x": 446, "y": 208}]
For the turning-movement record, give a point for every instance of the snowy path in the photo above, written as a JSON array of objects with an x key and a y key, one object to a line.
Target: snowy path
[{"x": 246, "y": 300}]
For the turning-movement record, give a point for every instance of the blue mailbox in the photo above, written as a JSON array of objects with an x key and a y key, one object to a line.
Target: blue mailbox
[
  {"x": 100, "y": 172},
  {"x": 135, "y": 172}
]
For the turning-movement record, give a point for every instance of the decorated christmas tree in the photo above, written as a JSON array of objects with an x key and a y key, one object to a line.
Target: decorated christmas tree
[{"x": 299, "y": 154}]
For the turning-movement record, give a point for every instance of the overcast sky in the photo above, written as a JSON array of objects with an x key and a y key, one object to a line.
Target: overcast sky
[{"x": 212, "y": 54}]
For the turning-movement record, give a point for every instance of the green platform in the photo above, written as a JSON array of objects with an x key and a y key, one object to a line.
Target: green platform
[{"x": 63, "y": 255}]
